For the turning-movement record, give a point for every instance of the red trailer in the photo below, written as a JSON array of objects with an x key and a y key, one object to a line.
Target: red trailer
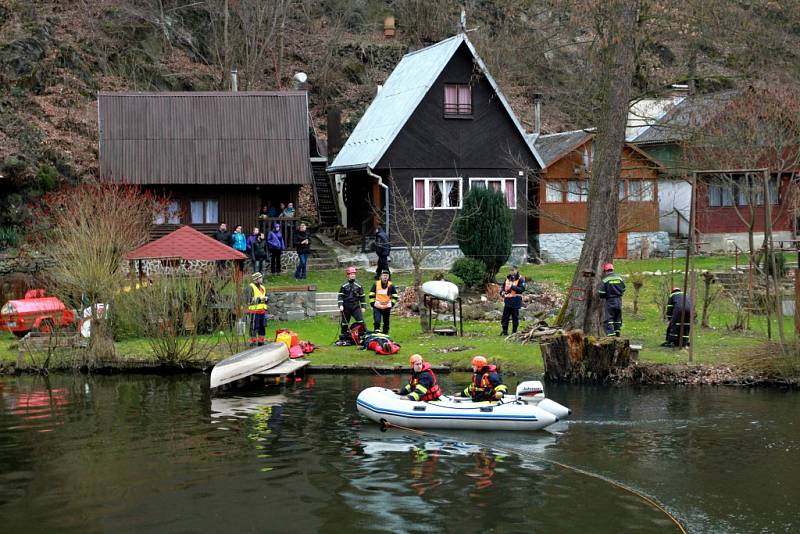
[{"x": 35, "y": 312}]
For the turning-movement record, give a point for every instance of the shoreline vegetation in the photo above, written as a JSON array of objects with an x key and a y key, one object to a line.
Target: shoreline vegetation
[{"x": 722, "y": 355}]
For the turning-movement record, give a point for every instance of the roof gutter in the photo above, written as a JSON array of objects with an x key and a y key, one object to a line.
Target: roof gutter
[{"x": 385, "y": 196}]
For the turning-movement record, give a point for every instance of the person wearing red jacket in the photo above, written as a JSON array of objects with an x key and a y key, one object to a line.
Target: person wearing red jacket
[{"x": 422, "y": 386}]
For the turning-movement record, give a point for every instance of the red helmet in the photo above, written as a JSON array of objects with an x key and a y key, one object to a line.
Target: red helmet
[
  {"x": 674, "y": 289},
  {"x": 350, "y": 270},
  {"x": 608, "y": 267},
  {"x": 480, "y": 362},
  {"x": 415, "y": 358}
]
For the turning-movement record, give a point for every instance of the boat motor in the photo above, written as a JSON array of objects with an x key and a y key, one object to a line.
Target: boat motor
[{"x": 532, "y": 392}]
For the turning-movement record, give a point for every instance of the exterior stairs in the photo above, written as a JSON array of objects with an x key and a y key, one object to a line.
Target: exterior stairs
[
  {"x": 322, "y": 256},
  {"x": 323, "y": 187},
  {"x": 327, "y": 304}
]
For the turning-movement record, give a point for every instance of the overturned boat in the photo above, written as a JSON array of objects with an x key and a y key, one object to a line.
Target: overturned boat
[
  {"x": 527, "y": 410},
  {"x": 248, "y": 362}
]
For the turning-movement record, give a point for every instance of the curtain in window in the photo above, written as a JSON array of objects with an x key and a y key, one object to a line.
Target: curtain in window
[
  {"x": 773, "y": 191},
  {"x": 212, "y": 211},
  {"x": 174, "y": 212},
  {"x": 464, "y": 99},
  {"x": 451, "y": 99},
  {"x": 419, "y": 194},
  {"x": 454, "y": 197},
  {"x": 714, "y": 195},
  {"x": 435, "y": 194},
  {"x": 448, "y": 187},
  {"x": 635, "y": 190},
  {"x": 727, "y": 196},
  {"x": 553, "y": 192},
  {"x": 511, "y": 199},
  {"x": 647, "y": 190},
  {"x": 574, "y": 192},
  {"x": 196, "y": 209}
]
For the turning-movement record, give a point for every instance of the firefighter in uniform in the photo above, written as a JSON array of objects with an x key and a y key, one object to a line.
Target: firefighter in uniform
[
  {"x": 382, "y": 298},
  {"x": 422, "y": 386},
  {"x": 256, "y": 297},
  {"x": 679, "y": 315},
  {"x": 351, "y": 300},
  {"x": 487, "y": 384},
  {"x": 612, "y": 289},
  {"x": 512, "y": 290}
]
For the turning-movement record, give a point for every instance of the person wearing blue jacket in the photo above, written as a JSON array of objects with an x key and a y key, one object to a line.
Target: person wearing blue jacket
[
  {"x": 513, "y": 287},
  {"x": 276, "y": 246}
]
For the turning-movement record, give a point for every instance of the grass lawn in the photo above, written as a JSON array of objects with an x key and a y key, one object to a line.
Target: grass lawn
[{"x": 712, "y": 346}]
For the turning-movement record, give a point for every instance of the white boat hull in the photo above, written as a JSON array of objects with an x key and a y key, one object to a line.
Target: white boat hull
[
  {"x": 248, "y": 362},
  {"x": 381, "y": 404},
  {"x": 441, "y": 289}
]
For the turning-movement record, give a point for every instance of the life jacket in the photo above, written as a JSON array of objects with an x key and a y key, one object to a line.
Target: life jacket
[
  {"x": 355, "y": 333},
  {"x": 383, "y": 346},
  {"x": 258, "y": 293},
  {"x": 507, "y": 291},
  {"x": 482, "y": 386},
  {"x": 434, "y": 392},
  {"x": 382, "y": 298}
]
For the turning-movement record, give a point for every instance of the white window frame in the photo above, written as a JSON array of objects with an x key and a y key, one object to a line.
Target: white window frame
[
  {"x": 205, "y": 204},
  {"x": 427, "y": 189},
  {"x": 559, "y": 186},
  {"x": 502, "y": 181},
  {"x": 582, "y": 194}
]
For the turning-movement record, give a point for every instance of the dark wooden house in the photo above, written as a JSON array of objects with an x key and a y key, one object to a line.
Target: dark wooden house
[
  {"x": 219, "y": 156},
  {"x": 438, "y": 127}
]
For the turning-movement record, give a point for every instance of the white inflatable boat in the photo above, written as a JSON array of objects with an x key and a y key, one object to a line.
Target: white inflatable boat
[
  {"x": 441, "y": 289},
  {"x": 527, "y": 410},
  {"x": 248, "y": 362}
]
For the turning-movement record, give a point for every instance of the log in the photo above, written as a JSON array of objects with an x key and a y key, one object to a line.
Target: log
[{"x": 573, "y": 357}]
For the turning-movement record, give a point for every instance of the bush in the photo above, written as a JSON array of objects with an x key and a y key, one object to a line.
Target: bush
[
  {"x": 9, "y": 237},
  {"x": 764, "y": 262},
  {"x": 471, "y": 271},
  {"x": 484, "y": 228}
]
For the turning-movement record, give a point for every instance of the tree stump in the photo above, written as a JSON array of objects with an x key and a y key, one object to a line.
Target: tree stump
[{"x": 574, "y": 357}]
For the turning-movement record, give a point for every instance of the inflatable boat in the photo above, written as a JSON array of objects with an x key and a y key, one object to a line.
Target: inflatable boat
[
  {"x": 527, "y": 410},
  {"x": 248, "y": 362}
]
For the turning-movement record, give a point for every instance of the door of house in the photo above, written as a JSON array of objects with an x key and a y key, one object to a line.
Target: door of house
[{"x": 621, "y": 250}]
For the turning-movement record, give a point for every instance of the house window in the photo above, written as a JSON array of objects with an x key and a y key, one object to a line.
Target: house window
[
  {"x": 507, "y": 185},
  {"x": 720, "y": 195},
  {"x": 437, "y": 193},
  {"x": 577, "y": 190},
  {"x": 554, "y": 191},
  {"x": 457, "y": 100},
  {"x": 204, "y": 211},
  {"x": 171, "y": 215}
]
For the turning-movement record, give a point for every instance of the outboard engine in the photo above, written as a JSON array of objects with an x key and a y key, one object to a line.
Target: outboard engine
[
  {"x": 530, "y": 388},
  {"x": 532, "y": 392}
]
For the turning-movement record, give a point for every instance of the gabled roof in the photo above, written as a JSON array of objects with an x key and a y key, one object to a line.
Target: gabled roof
[
  {"x": 221, "y": 138},
  {"x": 678, "y": 122},
  {"x": 403, "y": 91},
  {"x": 552, "y": 147},
  {"x": 185, "y": 243}
]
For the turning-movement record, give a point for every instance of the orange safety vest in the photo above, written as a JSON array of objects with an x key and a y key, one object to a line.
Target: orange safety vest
[
  {"x": 382, "y": 298},
  {"x": 507, "y": 291},
  {"x": 434, "y": 392}
]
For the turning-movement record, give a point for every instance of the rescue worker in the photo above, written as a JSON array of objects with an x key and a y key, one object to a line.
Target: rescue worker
[
  {"x": 422, "y": 386},
  {"x": 382, "y": 298},
  {"x": 679, "y": 315},
  {"x": 256, "y": 297},
  {"x": 511, "y": 292},
  {"x": 612, "y": 289},
  {"x": 351, "y": 300},
  {"x": 382, "y": 249},
  {"x": 487, "y": 384}
]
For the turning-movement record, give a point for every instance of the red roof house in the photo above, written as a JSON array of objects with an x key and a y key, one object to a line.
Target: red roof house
[{"x": 185, "y": 243}]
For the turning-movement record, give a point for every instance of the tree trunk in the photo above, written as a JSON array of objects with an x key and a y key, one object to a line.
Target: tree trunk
[
  {"x": 572, "y": 357},
  {"x": 423, "y": 311},
  {"x": 616, "y": 68}
]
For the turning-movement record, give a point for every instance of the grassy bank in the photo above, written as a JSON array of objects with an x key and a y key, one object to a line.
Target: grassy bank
[{"x": 715, "y": 346}]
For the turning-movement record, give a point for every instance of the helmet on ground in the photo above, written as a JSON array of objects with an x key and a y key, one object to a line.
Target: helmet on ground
[
  {"x": 415, "y": 358},
  {"x": 256, "y": 275},
  {"x": 350, "y": 270},
  {"x": 479, "y": 362},
  {"x": 675, "y": 289},
  {"x": 608, "y": 267}
]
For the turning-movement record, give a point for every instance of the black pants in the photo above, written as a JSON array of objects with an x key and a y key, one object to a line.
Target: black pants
[
  {"x": 674, "y": 329},
  {"x": 275, "y": 261},
  {"x": 258, "y": 328},
  {"x": 613, "y": 317},
  {"x": 351, "y": 312},
  {"x": 378, "y": 315},
  {"x": 510, "y": 313},
  {"x": 383, "y": 263}
]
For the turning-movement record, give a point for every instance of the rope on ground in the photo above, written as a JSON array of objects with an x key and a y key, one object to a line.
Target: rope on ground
[{"x": 645, "y": 498}]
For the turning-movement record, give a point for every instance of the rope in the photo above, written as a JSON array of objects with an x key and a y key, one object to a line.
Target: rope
[{"x": 645, "y": 498}]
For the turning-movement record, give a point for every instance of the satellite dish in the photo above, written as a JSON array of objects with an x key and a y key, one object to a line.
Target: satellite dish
[{"x": 301, "y": 77}]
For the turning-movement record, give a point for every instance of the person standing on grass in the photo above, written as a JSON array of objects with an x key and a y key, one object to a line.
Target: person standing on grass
[
  {"x": 511, "y": 292},
  {"x": 351, "y": 300},
  {"x": 302, "y": 242},
  {"x": 276, "y": 246},
  {"x": 256, "y": 298},
  {"x": 612, "y": 289},
  {"x": 679, "y": 315},
  {"x": 382, "y": 298},
  {"x": 259, "y": 253}
]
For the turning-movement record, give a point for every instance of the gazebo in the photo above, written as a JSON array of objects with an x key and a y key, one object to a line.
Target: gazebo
[{"x": 184, "y": 245}]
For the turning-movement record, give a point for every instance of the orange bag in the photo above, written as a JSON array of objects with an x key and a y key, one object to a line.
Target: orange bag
[{"x": 287, "y": 337}]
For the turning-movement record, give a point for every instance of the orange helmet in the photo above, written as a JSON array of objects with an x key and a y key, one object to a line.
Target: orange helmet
[
  {"x": 480, "y": 362},
  {"x": 415, "y": 358},
  {"x": 676, "y": 289},
  {"x": 350, "y": 270},
  {"x": 608, "y": 267}
]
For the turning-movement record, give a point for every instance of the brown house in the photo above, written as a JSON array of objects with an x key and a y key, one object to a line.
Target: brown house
[
  {"x": 561, "y": 194},
  {"x": 219, "y": 156}
]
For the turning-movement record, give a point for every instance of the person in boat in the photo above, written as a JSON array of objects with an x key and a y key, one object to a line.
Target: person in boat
[
  {"x": 351, "y": 300},
  {"x": 679, "y": 315},
  {"x": 382, "y": 298},
  {"x": 487, "y": 384},
  {"x": 256, "y": 297},
  {"x": 611, "y": 290},
  {"x": 513, "y": 287},
  {"x": 422, "y": 386}
]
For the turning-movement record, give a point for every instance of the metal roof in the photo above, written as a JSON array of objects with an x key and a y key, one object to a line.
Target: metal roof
[
  {"x": 403, "y": 91},
  {"x": 553, "y": 147},
  {"x": 205, "y": 137},
  {"x": 677, "y": 123}
]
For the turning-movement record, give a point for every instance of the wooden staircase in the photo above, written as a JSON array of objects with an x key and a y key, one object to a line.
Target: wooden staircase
[{"x": 325, "y": 196}]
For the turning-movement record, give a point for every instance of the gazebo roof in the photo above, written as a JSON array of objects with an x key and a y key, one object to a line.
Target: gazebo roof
[{"x": 188, "y": 244}]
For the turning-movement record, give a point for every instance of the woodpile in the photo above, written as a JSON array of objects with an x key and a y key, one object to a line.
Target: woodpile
[{"x": 534, "y": 331}]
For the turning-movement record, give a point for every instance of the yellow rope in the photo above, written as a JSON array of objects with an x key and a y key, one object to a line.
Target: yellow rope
[{"x": 578, "y": 470}]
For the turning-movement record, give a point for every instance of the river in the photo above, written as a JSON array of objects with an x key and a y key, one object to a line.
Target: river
[{"x": 148, "y": 453}]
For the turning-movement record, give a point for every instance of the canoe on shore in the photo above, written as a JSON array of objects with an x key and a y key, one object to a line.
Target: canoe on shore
[
  {"x": 248, "y": 362},
  {"x": 441, "y": 289}
]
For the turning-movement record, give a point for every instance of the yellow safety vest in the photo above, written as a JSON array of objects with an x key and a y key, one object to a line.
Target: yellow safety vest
[
  {"x": 258, "y": 293},
  {"x": 382, "y": 294}
]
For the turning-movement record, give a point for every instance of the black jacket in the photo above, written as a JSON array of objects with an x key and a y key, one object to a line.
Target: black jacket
[
  {"x": 351, "y": 295},
  {"x": 382, "y": 246},
  {"x": 613, "y": 287},
  {"x": 676, "y": 307},
  {"x": 300, "y": 236},
  {"x": 511, "y": 290},
  {"x": 222, "y": 237},
  {"x": 259, "y": 251}
]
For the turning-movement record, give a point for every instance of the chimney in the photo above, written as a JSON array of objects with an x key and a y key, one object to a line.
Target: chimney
[
  {"x": 299, "y": 81},
  {"x": 537, "y": 113},
  {"x": 378, "y": 89},
  {"x": 234, "y": 80}
]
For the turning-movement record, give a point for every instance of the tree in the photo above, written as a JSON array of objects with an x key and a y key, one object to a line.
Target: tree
[
  {"x": 616, "y": 22},
  {"x": 484, "y": 228}
]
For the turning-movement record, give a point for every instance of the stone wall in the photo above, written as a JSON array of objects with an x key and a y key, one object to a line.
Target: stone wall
[
  {"x": 658, "y": 243},
  {"x": 724, "y": 242},
  {"x": 195, "y": 267},
  {"x": 443, "y": 257},
  {"x": 292, "y": 305},
  {"x": 35, "y": 263},
  {"x": 567, "y": 246}
]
